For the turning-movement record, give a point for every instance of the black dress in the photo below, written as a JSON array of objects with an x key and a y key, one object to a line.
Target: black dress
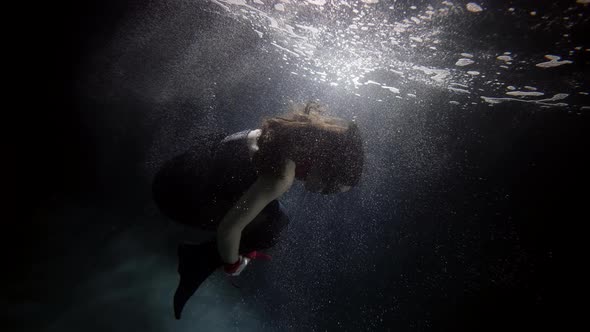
[{"x": 197, "y": 188}]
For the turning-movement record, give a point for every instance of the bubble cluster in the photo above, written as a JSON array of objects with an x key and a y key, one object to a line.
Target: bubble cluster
[{"x": 344, "y": 43}]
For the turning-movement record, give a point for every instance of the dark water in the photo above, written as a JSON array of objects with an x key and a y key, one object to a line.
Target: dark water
[{"x": 469, "y": 215}]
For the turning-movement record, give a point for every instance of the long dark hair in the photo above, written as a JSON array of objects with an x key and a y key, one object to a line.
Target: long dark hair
[{"x": 308, "y": 137}]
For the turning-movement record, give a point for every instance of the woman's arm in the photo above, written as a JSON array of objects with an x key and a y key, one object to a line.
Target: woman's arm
[{"x": 266, "y": 189}]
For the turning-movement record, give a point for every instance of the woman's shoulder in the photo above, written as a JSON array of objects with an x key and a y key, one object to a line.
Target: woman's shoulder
[{"x": 280, "y": 183}]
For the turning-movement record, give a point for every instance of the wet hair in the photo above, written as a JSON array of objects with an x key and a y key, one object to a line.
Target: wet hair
[{"x": 310, "y": 138}]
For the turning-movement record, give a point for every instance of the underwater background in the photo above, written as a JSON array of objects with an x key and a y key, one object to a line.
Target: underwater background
[{"x": 469, "y": 215}]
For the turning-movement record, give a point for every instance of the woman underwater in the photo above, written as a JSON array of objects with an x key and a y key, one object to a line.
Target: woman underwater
[{"x": 231, "y": 184}]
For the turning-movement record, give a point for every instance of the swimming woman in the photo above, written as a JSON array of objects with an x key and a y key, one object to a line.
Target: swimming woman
[{"x": 231, "y": 184}]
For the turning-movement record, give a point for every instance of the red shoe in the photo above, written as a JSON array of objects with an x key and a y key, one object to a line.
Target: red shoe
[
  {"x": 236, "y": 268},
  {"x": 258, "y": 255}
]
